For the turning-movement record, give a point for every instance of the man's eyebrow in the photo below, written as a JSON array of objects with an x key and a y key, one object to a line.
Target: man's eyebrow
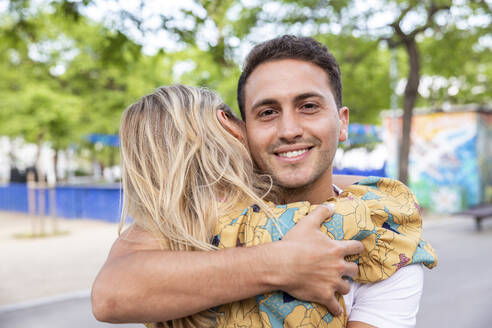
[
  {"x": 264, "y": 102},
  {"x": 306, "y": 95},
  {"x": 272, "y": 101}
]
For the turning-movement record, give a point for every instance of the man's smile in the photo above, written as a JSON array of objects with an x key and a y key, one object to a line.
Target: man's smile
[{"x": 293, "y": 154}]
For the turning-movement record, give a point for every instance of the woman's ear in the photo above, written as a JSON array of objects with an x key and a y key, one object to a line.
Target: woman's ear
[{"x": 233, "y": 126}]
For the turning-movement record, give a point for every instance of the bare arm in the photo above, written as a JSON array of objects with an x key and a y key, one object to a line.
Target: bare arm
[{"x": 141, "y": 283}]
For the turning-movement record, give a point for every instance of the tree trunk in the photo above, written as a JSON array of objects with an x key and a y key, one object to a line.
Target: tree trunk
[
  {"x": 55, "y": 163},
  {"x": 52, "y": 193},
  {"x": 41, "y": 187},
  {"x": 31, "y": 199},
  {"x": 410, "y": 97}
]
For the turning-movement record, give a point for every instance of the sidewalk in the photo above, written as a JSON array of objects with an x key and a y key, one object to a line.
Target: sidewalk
[
  {"x": 46, "y": 282},
  {"x": 457, "y": 292},
  {"x": 45, "y": 267}
]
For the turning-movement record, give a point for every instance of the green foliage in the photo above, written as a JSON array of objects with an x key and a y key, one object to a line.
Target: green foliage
[
  {"x": 63, "y": 79},
  {"x": 365, "y": 76},
  {"x": 457, "y": 56},
  {"x": 65, "y": 76},
  {"x": 70, "y": 78}
]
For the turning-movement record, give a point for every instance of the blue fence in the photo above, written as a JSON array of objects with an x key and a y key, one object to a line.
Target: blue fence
[
  {"x": 71, "y": 202},
  {"x": 101, "y": 203},
  {"x": 351, "y": 171},
  {"x": 13, "y": 197}
]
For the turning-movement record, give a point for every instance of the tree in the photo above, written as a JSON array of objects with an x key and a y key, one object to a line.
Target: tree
[
  {"x": 103, "y": 66},
  {"x": 365, "y": 76},
  {"x": 408, "y": 41},
  {"x": 65, "y": 78},
  {"x": 32, "y": 104}
]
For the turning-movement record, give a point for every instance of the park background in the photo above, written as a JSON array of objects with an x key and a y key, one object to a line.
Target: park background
[{"x": 417, "y": 78}]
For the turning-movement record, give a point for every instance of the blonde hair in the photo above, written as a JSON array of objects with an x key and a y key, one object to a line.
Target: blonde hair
[{"x": 177, "y": 160}]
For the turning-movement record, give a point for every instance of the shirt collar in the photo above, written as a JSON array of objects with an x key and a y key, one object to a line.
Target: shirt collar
[{"x": 336, "y": 190}]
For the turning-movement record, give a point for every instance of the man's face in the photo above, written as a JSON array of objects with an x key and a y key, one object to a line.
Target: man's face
[{"x": 292, "y": 122}]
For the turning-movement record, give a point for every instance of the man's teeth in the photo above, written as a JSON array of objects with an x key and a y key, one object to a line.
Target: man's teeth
[{"x": 293, "y": 153}]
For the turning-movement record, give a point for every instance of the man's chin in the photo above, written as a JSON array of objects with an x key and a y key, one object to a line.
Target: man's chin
[{"x": 292, "y": 184}]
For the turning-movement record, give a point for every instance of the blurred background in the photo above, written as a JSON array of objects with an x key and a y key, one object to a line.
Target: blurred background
[{"x": 417, "y": 77}]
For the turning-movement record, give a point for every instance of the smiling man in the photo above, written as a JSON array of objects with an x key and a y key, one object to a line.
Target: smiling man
[
  {"x": 294, "y": 124},
  {"x": 290, "y": 97}
]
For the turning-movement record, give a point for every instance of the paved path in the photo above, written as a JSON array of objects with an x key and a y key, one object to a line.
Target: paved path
[
  {"x": 72, "y": 311},
  {"x": 456, "y": 293},
  {"x": 45, "y": 282},
  {"x": 33, "y": 268}
]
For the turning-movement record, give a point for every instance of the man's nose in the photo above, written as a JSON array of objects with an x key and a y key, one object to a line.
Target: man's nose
[{"x": 289, "y": 127}]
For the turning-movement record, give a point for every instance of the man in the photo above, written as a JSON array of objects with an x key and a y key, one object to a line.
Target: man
[{"x": 289, "y": 95}]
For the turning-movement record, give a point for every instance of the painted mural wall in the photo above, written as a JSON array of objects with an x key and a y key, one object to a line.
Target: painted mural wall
[
  {"x": 484, "y": 146},
  {"x": 448, "y": 158}
]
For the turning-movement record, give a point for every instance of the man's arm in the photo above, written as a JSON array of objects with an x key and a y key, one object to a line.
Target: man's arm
[{"x": 141, "y": 283}]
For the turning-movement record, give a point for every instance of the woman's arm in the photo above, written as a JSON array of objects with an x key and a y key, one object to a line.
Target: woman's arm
[{"x": 141, "y": 283}]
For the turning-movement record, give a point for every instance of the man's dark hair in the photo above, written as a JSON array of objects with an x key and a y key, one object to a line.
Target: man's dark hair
[{"x": 291, "y": 47}]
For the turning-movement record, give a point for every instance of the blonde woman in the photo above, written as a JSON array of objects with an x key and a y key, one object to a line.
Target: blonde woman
[{"x": 188, "y": 179}]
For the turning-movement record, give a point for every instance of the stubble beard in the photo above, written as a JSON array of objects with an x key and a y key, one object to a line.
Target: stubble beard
[{"x": 290, "y": 190}]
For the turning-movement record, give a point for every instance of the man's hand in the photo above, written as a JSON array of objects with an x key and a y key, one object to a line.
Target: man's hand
[{"x": 314, "y": 263}]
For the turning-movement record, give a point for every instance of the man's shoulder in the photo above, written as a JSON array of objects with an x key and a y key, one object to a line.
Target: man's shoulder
[
  {"x": 379, "y": 182},
  {"x": 388, "y": 198},
  {"x": 381, "y": 186}
]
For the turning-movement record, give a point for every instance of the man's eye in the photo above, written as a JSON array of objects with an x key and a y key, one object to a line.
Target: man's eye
[
  {"x": 267, "y": 112},
  {"x": 309, "y": 106}
]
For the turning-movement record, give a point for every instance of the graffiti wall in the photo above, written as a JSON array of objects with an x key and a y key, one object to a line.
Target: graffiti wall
[
  {"x": 447, "y": 158},
  {"x": 484, "y": 146}
]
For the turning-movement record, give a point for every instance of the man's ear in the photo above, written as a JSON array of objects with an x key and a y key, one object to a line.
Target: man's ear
[
  {"x": 343, "y": 114},
  {"x": 231, "y": 125}
]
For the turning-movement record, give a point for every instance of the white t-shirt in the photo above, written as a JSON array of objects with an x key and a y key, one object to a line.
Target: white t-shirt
[{"x": 393, "y": 302}]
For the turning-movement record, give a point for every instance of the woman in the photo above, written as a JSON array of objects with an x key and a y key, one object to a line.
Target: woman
[{"x": 189, "y": 180}]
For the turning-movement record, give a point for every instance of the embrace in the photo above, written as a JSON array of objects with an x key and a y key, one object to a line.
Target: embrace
[{"x": 241, "y": 223}]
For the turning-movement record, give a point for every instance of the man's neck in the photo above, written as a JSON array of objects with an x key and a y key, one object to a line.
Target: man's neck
[{"x": 316, "y": 192}]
